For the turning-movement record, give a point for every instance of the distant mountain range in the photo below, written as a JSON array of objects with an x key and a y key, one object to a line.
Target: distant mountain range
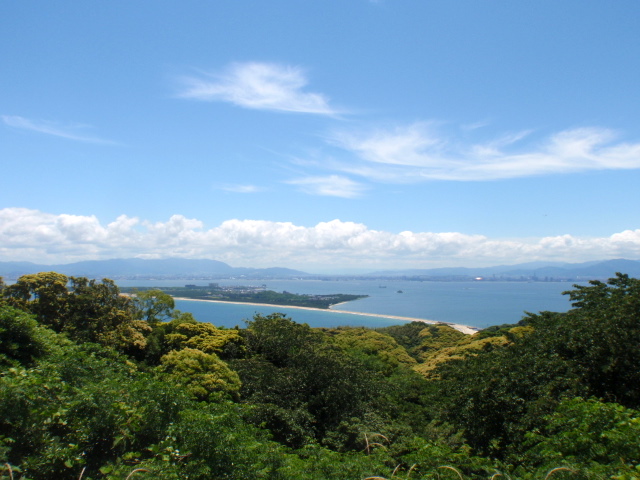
[
  {"x": 140, "y": 268},
  {"x": 192, "y": 269},
  {"x": 538, "y": 270}
]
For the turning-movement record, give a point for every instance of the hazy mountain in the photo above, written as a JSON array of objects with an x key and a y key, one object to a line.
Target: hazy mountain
[
  {"x": 188, "y": 268},
  {"x": 144, "y": 268},
  {"x": 631, "y": 267},
  {"x": 519, "y": 269},
  {"x": 559, "y": 270},
  {"x": 15, "y": 269},
  {"x": 138, "y": 266}
]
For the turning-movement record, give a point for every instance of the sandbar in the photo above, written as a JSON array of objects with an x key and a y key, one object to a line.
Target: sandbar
[{"x": 466, "y": 329}]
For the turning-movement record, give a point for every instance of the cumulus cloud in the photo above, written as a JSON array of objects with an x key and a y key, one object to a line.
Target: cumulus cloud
[
  {"x": 70, "y": 132},
  {"x": 42, "y": 237},
  {"x": 261, "y": 86},
  {"x": 417, "y": 152}
]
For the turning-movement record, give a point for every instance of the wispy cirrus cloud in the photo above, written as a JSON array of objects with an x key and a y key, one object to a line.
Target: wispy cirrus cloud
[
  {"x": 33, "y": 235},
  {"x": 241, "y": 188},
  {"x": 260, "y": 86},
  {"x": 417, "y": 152},
  {"x": 329, "y": 185},
  {"x": 70, "y": 132}
]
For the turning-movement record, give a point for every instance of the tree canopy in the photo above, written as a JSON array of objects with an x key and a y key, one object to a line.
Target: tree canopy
[{"x": 98, "y": 385}]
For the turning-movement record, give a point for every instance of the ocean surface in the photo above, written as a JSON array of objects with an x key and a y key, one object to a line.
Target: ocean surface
[{"x": 476, "y": 304}]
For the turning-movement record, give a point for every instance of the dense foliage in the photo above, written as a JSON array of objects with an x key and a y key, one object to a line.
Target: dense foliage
[{"x": 98, "y": 385}]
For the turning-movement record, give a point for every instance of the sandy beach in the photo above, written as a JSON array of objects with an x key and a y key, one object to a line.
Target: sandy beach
[{"x": 461, "y": 328}]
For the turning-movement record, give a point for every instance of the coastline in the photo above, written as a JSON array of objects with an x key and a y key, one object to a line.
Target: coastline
[{"x": 461, "y": 328}]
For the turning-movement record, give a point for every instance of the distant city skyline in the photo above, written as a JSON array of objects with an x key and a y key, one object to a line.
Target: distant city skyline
[{"x": 320, "y": 136}]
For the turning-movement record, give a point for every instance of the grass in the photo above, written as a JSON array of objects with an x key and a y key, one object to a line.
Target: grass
[
  {"x": 8, "y": 468},
  {"x": 368, "y": 444},
  {"x": 447, "y": 467}
]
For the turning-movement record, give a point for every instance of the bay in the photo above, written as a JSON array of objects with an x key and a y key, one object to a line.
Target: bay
[{"x": 476, "y": 304}]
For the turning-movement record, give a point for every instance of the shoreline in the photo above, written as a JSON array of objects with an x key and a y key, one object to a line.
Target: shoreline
[{"x": 466, "y": 329}]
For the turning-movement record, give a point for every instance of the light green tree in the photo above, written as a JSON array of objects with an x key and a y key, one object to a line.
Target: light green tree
[
  {"x": 373, "y": 347},
  {"x": 205, "y": 337},
  {"x": 153, "y": 306},
  {"x": 587, "y": 434},
  {"x": 201, "y": 374}
]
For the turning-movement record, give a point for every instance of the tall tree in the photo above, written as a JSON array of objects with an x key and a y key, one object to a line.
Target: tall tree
[
  {"x": 43, "y": 294},
  {"x": 153, "y": 306},
  {"x": 97, "y": 312}
]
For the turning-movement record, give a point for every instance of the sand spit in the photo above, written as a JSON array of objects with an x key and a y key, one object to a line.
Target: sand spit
[{"x": 461, "y": 328}]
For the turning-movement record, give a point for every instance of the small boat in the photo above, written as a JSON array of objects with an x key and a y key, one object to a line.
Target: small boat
[{"x": 400, "y": 291}]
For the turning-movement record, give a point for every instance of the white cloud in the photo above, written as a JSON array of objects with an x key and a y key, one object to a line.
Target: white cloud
[
  {"x": 238, "y": 188},
  {"x": 418, "y": 152},
  {"x": 412, "y": 146},
  {"x": 331, "y": 185},
  {"x": 261, "y": 86},
  {"x": 32, "y": 235},
  {"x": 70, "y": 132}
]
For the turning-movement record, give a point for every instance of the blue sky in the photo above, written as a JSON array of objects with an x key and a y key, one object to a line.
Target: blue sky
[{"x": 326, "y": 136}]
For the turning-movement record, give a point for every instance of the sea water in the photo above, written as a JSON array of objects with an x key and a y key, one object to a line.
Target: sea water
[{"x": 478, "y": 304}]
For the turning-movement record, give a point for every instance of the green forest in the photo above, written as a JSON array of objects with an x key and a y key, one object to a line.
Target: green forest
[{"x": 98, "y": 385}]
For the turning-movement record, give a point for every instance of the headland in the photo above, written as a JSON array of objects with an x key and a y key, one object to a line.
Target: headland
[{"x": 466, "y": 329}]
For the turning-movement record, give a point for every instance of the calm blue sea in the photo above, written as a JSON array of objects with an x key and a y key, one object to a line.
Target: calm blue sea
[{"x": 477, "y": 304}]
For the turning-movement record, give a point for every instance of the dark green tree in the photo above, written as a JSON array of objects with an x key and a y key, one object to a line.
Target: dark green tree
[
  {"x": 502, "y": 393},
  {"x": 22, "y": 340},
  {"x": 280, "y": 340},
  {"x": 600, "y": 338},
  {"x": 301, "y": 386}
]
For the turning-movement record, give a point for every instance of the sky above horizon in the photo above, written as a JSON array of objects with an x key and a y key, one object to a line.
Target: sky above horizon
[{"x": 324, "y": 136}]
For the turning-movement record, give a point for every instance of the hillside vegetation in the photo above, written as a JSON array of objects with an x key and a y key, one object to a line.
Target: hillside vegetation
[{"x": 97, "y": 385}]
